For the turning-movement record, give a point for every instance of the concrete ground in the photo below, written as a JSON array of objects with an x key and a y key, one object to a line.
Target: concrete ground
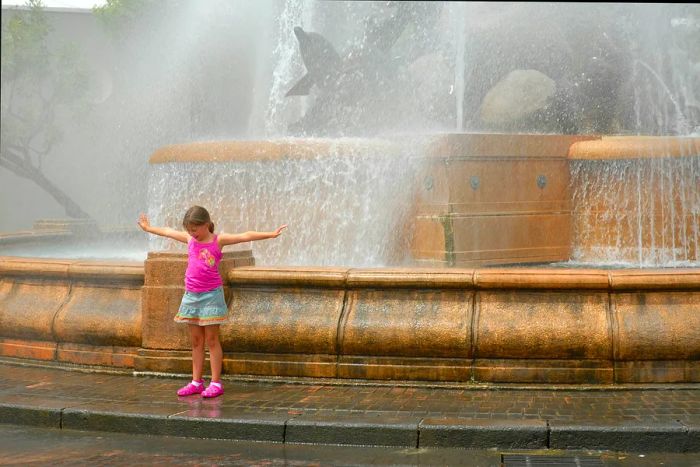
[{"x": 632, "y": 419}]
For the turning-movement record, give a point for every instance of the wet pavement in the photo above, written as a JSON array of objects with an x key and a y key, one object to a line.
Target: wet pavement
[
  {"x": 30, "y": 446},
  {"x": 658, "y": 419}
]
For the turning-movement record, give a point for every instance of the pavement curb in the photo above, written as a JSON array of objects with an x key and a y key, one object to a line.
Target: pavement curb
[
  {"x": 370, "y": 430},
  {"x": 483, "y": 433},
  {"x": 653, "y": 437}
]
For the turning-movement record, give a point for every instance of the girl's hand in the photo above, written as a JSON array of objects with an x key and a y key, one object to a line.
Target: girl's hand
[
  {"x": 279, "y": 230},
  {"x": 143, "y": 222}
]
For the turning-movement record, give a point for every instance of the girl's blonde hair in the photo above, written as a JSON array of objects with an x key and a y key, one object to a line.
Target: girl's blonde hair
[{"x": 197, "y": 215}]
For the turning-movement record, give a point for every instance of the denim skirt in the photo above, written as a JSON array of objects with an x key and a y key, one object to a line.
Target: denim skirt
[{"x": 203, "y": 308}]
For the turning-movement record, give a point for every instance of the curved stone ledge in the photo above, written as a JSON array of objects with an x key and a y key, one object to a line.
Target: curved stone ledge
[
  {"x": 422, "y": 278},
  {"x": 504, "y": 325},
  {"x": 646, "y": 279},
  {"x": 306, "y": 276},
  {"x": 11, "y": 266},
  {"x": 495, "y": 145},
  {"x": 634, "y": 147},
  {"x": 28, "y": 309},
  {"x": 63, "y": 269},
  {"x": 26, "y": 236},
  {"x": 267, "y": 150},
  {"x": 84, "y": 312},
  {"x": 532, "y": 325},
  {"x": 541, "y": 278}
]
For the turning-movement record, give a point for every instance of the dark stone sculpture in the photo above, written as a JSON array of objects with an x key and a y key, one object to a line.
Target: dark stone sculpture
[
  {"x": 356, "y": 93},
  {"x": 404, "y": 77}
]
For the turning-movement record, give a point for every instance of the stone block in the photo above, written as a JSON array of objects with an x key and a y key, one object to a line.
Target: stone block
[
  {"x": 404, "y": 368},
  {"x": 100, "y": 355},
  {"x": 657, "y": 371},
  {"x": 100, "y": 315},
  {"x": 158, "y": 330},
  {"x": 34, "y": 350},
  {"x": 353, "y": 429},
  {"x": 465, "y": 218},
  {"x": 619, "y": 436},
  {"x": 86, "y": 419},
  {"x": 483, "y": 434},
  {"x": 27, "y": 414},
  {"x": 287, "y": 365},
  {"x": 164, "y": 361},
  {"x": 545, "y": 371},
  {"x": 27, "y": 310},
  {"x": 522, "y": 324},
  {"x": 254, "y": 427},
  {"x": 408, "y": 323},
  {"x": 280, "y": 320},
  {"x": 657, "y": 325}
]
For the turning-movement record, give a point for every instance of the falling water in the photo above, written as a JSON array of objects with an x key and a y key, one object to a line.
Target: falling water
[
  {"x": 644, "y": 54},
  {"x": 637, "y": 212},
  {"x": 340, "y": 207},
  {"x": 460, "y": 41}
]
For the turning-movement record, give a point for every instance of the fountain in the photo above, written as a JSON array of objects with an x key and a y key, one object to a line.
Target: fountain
[{"x": 463, "y": 206}]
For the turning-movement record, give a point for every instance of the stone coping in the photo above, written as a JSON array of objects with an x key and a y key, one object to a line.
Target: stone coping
[
  {"x": 23, "y": 236},
  {"x": 448, "y": 145},
  {"x": 482, "y": 278},
  {"x": 494, "y": 145},
  {"x": 264, "y": 150},
  {"x": 634, "y": 147},
  {"x": 123, "y": 271}
]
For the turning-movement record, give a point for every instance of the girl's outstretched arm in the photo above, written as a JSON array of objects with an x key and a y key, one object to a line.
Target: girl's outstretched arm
[
  {"x": 178, "y": 235},
  {"x": 251, "y": 236}
]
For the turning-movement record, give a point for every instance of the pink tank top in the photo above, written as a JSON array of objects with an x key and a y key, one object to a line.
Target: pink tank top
[{"x": 202, "y": 273}]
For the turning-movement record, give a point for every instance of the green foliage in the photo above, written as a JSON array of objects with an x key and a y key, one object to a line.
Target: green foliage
[
  {"x": 37, "y": 80},
  {"x": 24, "y": 43},
  {"x": 126, "y": 20},
  {"x": 118, "y": 15}
]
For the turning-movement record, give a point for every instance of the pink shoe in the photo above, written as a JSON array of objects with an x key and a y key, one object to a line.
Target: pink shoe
[
  {"x": 191, "y": 389},
  {"x": 213, "y": 390}
]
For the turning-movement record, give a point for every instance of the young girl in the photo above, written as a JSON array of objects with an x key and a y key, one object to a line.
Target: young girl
[{"x": 203, "y": 307}]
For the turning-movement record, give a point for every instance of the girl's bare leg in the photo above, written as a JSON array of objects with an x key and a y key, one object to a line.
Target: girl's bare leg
[
  {"x": 197, "y": 340},
  {"x": 216, "y": 354}
]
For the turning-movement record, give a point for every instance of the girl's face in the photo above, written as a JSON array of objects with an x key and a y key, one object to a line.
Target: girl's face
[{"x": 199, "y": 232}]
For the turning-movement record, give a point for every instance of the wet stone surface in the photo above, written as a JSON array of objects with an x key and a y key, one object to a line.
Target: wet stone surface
[{"x": 657, "y": 418}]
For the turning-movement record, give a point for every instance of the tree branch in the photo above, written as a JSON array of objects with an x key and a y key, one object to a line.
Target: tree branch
[{"x": 19, "y": 167}]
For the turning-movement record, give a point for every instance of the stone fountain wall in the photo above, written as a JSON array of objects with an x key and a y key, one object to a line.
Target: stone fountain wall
[
  {"x": 70, "y": 311},
  {"x": 510, "y": 325},
  {"x": 511, "y": 199},
  {"x": 493, "y": 199},
  {"x": 483, "y": 324}
]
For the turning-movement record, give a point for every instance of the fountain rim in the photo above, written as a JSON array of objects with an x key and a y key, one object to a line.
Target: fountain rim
[
  {"x": 635, "y": 147},
  {"x": 515, "y": 277},
  {"x": 438, "y": 145}
]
